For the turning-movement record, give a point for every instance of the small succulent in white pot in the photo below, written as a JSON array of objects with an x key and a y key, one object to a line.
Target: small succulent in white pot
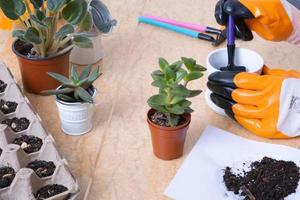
[{"x": 75, "y": 99}]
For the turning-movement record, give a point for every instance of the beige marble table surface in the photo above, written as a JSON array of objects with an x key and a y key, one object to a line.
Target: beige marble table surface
[{"x": 115, "y": 160}]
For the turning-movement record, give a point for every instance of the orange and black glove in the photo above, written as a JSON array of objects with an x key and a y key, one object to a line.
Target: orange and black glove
[
  {"x": 267, "y": 105},
  {"x": 272, "y": 19}
]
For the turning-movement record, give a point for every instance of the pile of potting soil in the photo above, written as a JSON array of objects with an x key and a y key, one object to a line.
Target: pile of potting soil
[
  {"x": 8, "y": 106},
  {"x": 42, "y": 168},
  {"x": 17, "y": 124},
  {"x": 29, "y": 143},
  {"x": 50, "y": 191},
  {"x": 268, "y": 179},
  {"x": 7, "y": 175}
]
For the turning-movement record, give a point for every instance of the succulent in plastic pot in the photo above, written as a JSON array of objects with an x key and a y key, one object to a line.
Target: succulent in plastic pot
[{"x": 169, "y": 116}]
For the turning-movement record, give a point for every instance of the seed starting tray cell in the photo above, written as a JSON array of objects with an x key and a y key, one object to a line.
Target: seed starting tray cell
[{"x": 26, "y": 182}]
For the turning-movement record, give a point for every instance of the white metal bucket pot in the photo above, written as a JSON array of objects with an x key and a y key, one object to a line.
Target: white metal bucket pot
[{"x": 76, "y": 118}]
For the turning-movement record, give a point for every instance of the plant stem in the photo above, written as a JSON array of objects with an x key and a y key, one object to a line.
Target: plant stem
[
  {"x": 64, "y": 50},
  {"x": 23, "y": 24},
  {"x": 28, "y": 7}
]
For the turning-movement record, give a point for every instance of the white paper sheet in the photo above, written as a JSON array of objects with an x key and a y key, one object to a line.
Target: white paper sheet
[{"x": 201, "y": 175}]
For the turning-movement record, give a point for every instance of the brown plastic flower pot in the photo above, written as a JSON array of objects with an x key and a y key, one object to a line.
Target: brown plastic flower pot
[
  {"x": 168, "y": 142},
  {"x": 34, "y": 70}
]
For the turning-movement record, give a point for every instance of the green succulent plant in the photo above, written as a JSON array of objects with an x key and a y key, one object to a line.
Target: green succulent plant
[
  {"x": 172, "y": 80},
  {"x": 42, "y": 27},
  {"x": 76, "y": 89}
]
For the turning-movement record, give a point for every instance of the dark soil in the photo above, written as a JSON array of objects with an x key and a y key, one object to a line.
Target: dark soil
[
  {"x": 161, "y": 119},
  {"x": 17, "y": 124},
  {"x": 2, "y": 86},
  {"x": 42, "y": 168},
  {"x": 268, "y": 179},
  {"x": 50, "y": 191},
  {"x": 7, "y": 175},
  {"x": 0, "y": 151},
  {"x": 8, "y": 106},
  {"x": 90, "y": 90},
  {"x": 29, "y": 143}
]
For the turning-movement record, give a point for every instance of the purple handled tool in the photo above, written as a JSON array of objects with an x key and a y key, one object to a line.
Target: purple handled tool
[
  {"x": 231, "y": 47},
  {"x": 220, "y": 35}
]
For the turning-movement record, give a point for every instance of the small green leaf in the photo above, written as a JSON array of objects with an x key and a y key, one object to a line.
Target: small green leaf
[
  {"x": 13, "y": 9},
  {"x": 159, "y": 100},
  {"x": 180, "y": 90},
  {"x": 173, "y": 119},
  {"x": 86, "y": 23},
  {"x": 157, "y": 75},
  {"x": 83, "y": 42},
  {"x": 84, "y": 95},
  {"x": 160, "y": 84},
  {"x": 163, "y": 63},
  {"x": 170, "y": 75},
  {"x": 72, "y": 12},
  {"x": 199, "y": 68},
  {"x": 176, "y": 66},
  {"x": 189, "y": 63},
  {"x": 177, "y": 99},
  {"x": 59, "y": 91},
  {"x": 33, "y": 36},
  {"x": 94, "y": 75},
  {"x": 64, "y": 31},
  {"x": 74, "y": 74},
  {"x": 157, "y": 107},
  {"x": 19, "y": 34},
  {"x": 38, "y": 22},
  {"x": 55, "y": 5},
  {"x": 185, "y": 104},
  {"x": 61, "y": 79},
  {"x": 194, "y": 93},
  {"x": 188, "y": 110},
  {"x": 180, "y": 74},
  {"x": 175, "y": 109},
  {"x": 85, "y": 72},
  {"x": 37, "y": 3},
  {"x": 193, "y": 76},
  {"x": 66, "y": 98}
]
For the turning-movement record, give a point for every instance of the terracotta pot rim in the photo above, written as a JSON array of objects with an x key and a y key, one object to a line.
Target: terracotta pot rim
[
  {"x": 36, "y": 59},
  {"x": 187, "y": 116},
  {"x": 74, "y": 103}
]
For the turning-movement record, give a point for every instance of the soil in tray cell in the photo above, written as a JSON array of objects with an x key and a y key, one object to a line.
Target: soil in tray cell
[
  {"x": 7, "y": 175},
  {"x": 2, "y": 86},
  {"x": 161, "y": 119},
  {"x": 268, "y": 179},
  {"x": 50, "y": 191},
  {"x": 8, "y": 106},
  {"x": 29, "y": 143},
  {"x": 42, "y": 168},
  {"x": 17, "y": 124}
]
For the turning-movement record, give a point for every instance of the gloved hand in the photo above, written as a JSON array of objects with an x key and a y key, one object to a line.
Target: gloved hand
[
  {"x": 267, "y": 105},
  {"x": 269, "y": 19}
]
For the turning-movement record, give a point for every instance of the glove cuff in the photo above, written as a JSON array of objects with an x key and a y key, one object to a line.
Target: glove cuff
[
  {"x": 289, "y": 111},
  {"x": 295, "y": 36}
]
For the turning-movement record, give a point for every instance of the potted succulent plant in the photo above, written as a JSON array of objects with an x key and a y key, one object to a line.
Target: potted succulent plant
[
  {"x": 75, "y": 99},
  {"x": 44, "y": 42},
  {"x": 170, "y": 113}
]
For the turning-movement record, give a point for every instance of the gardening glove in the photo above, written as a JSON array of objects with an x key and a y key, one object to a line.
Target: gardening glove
[
  {"x": 275, "y": 20},
  {"x": 267, "y": 105}
]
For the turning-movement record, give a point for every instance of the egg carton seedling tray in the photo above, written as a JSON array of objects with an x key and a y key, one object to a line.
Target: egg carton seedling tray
[{"x": 15, "y": 154}]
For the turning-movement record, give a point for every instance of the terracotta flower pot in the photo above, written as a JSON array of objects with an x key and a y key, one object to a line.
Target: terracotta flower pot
[
  {"x": 168, "y": 142},
  {"x": 34, "y": 70}
]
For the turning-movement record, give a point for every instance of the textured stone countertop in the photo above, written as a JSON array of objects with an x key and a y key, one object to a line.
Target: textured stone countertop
[{"x": 115, "y": 160}]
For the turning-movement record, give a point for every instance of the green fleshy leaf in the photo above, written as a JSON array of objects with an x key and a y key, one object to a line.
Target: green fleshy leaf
[
  {"x": 13, "y": 9},
  {"x": 163, "y": 63},
  {"x": 193, "y": 76},
  {"x": 56, "y": 92},
  {"x": 66, "y": 98},
  {"x": 40, "y": 15},
  {"x": 84, "y": 95},
  {"x": 74, "y": 74},
  {"x": 61, "y": 79},
  {"x": 189, "y": 63},
  {"x": 83, "y": 42},
  {"x": 55, "y": 5},
  {"x": 38, "y": 22},
  {"x": 94, "y": 75},
  {"x": 180, "y": 74},
  {"x": 160, "y": 84},
  {"x": 19, "y": 34},
  {"x": 169, "y": 74},
  {"x": 173, "y": 120},
  {"x": 85, "y": 72},
  {"x": 64, "y": 31},
  {"x": 194, "y": 93},
  {"x": 176, "y": 109},
  {"x": 177, "y": 99},
  {"x": 199, "y": 68},
  {"x": 72, "y": 12},
  {"x": 32, "y": 35},
  {"x": 157, "y": 75},
  {"x": 159, "y": 100},
  {"x": 180, "y": 90},
  {"x": 176, "y": 66},
  {"x": 86, "y": 23}
]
